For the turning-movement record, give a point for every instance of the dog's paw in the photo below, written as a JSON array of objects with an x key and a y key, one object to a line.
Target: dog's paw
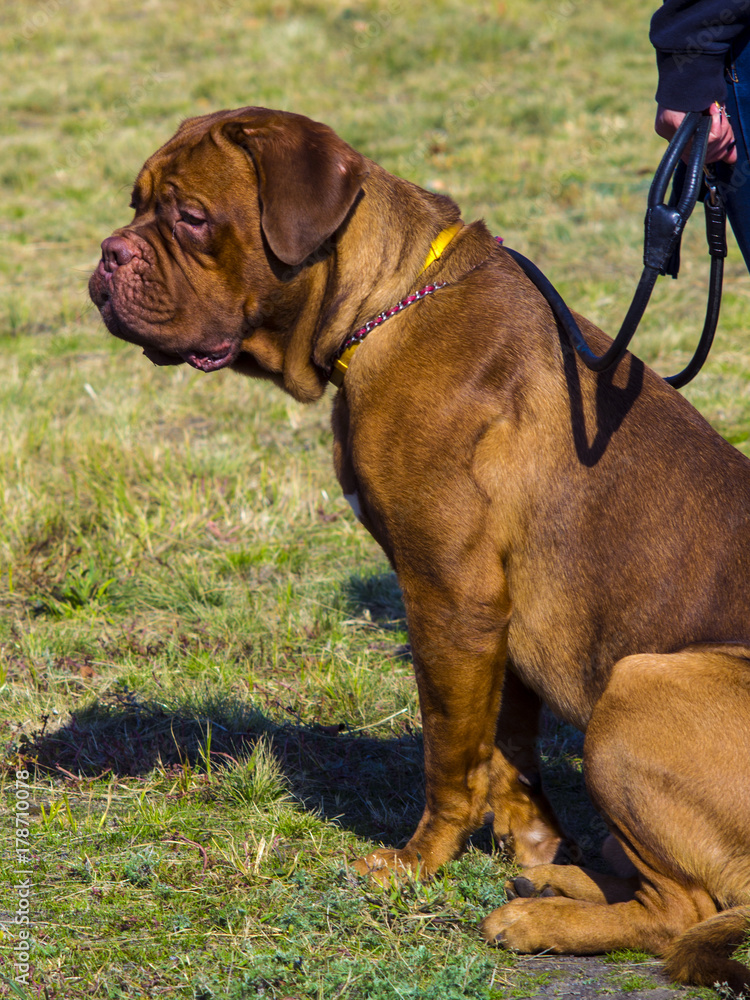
[
  {"x": 568, "y": 853},
  {"x": 383, "y": 864},
  {"x": 523, "y": 887},
  {"x": 514, "y": 926}
]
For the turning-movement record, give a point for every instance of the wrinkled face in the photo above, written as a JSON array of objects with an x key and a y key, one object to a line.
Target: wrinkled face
[
  {"x": 183, "y": 279},
  {"x": 229, "y": 215}
]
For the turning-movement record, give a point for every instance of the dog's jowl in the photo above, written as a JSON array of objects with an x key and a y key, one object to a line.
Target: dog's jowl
[{"x": 559, "y": 536}]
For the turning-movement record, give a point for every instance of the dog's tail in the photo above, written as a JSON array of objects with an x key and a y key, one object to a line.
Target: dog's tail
[{"x": 702, "y": 955}]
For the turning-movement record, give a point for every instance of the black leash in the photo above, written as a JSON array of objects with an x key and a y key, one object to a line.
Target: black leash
[{"x": 661, "y": 252}]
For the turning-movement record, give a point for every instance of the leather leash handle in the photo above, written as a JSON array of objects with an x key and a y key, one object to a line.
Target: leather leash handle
[
  {"x": 664, "y": 223},
  {"x": 716, "y": 236}
]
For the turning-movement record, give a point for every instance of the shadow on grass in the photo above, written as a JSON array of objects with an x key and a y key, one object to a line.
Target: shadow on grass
[
  {"x": 379, "y": 595},
  {"x": 372, "y": 787},
  {"x": 561, "y": 750}
]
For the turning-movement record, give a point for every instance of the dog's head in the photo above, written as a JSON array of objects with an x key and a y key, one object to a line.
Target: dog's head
[{"x": 226, "y": 214}]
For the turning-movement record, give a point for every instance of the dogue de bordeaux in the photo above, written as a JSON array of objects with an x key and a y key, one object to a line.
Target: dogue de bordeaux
[{"x": 559, "y": 536}]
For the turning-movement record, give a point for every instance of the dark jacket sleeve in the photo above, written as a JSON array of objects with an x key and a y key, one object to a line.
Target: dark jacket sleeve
[{"x": 693, "y": 39}]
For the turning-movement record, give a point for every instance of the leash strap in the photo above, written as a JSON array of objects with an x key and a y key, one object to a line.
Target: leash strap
[{"x": 664, "y": 224}]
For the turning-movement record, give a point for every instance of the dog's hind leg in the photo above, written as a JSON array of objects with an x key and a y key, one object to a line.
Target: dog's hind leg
[{"x": 667, "y": 760}]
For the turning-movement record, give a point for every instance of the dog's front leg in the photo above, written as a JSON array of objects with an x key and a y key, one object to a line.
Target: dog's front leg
[
  {"x": 522, "y": 814},
  {"x": 480, "y": 759},
  {"x": 459, "y": 650}
]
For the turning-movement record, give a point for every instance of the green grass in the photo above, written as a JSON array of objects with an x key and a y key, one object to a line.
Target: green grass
[{"x": 202, "y": 651}]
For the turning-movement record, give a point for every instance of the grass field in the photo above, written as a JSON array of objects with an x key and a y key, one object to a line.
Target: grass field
[{"x": 201, "y": 649}]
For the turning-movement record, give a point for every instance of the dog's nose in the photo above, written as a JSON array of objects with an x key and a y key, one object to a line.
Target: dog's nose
[{"x": 115, "y": 252}]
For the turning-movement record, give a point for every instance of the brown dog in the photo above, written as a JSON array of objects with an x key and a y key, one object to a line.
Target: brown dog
[{"x": 559, "y": 536}]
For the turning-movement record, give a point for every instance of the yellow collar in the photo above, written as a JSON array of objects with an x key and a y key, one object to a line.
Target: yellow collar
[
  {"x": 440, "y": 242},
  {"x": 437, "y": 247}
]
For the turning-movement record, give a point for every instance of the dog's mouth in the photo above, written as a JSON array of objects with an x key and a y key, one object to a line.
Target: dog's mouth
[
  {"x": 204, "y": 361},
  {"x": 103, "y": 296},
  {"x": 211, "y": 361}
]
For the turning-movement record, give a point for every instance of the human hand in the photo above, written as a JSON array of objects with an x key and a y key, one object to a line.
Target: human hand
[{"x": 721, "y": 144}]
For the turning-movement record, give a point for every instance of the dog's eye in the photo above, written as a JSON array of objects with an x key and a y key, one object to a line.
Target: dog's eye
[{"x": 190, "y": 219}]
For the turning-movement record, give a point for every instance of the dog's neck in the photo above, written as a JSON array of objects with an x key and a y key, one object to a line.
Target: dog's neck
[
  {"x": 345, "y": 353},
  {"x": 385, "y": 261}
]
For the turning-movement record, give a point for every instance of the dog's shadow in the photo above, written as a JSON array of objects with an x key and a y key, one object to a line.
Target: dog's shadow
[
  {"x": 371, "y": 786},
  {"x": 377, "y": 597}
]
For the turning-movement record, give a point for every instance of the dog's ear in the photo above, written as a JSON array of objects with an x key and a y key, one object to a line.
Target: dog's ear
[{"x": 308, "y": 178}]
